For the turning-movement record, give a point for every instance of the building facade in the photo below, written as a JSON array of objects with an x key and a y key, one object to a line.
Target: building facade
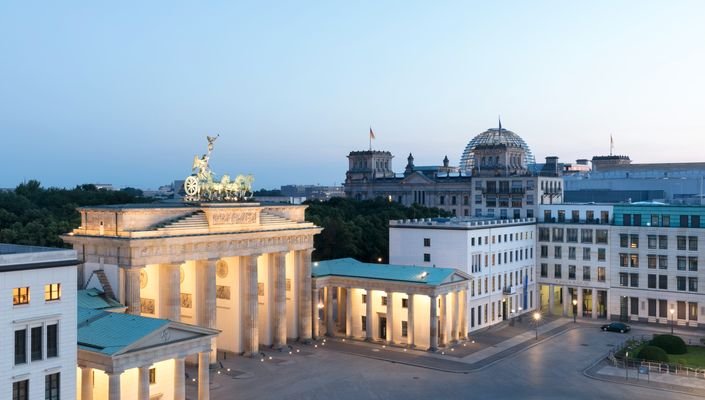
[
  {"x": 497, "y": 178},
  {"x": 38, "y": 316},
  {"x": 497, "y": 255}
]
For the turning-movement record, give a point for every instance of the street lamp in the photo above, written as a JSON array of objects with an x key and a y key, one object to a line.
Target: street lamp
[
  {"x": 672, "y": 311},
  {"x": 537, "y": 318},
  {"x": 575, "y": 308}
]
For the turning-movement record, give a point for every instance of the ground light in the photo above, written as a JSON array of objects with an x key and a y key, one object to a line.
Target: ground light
[{"x": 672, "y": 312}]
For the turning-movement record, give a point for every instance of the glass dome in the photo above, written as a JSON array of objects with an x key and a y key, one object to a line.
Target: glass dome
[{"x": 494, "y": 136}]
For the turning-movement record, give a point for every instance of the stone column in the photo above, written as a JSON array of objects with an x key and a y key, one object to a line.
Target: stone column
[
  {"x": 279, "y": 322},
  {"x": 456, "y": 316},
  {"x": 170, "y": 291},
  {"x": 114, "y": 385},
  {"x": 579, "y": 309},
  {"x": 330, "y": 323},
  {"x": 143, "y": 383},
  {"x": 594, "y": 304},
  {"x": 205, "y": 298},
  {"x": 391, "y": 321},
  {"x": 204, "y": 375},
  {"x": 251, "y": 317},
  {"x": 434, "y": 323},
  {"x": 410, "y": 321},
  {"x": 303, "y": 258},
  {"x": 179, "y": 379},
  {"x": 443, "y": 315},
  {"x": 566, "y": 301},
  {"x": 464, "y": 329},
  {"x": 132, "y": 290},
  {"x": 369, "y": 333},
  {"x": 551, "y": 299},
  {"x": 314, "y": 312},
  {"x": 348, "y": 312},
  {"x": 86, "y": 383},
  {"x": 341, "y": 310}
]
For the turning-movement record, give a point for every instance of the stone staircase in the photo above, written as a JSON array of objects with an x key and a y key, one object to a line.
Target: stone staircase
[
  {"x": 104, "y": 283},
  {"x": 193, "y": 221}
]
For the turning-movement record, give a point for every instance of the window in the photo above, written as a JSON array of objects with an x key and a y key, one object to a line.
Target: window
[
  {"x": 544, "y": 234},
  {"x": 651, "y": 261},
  {"x": 427, "y": 257},
  {"x": 680, "y": 283},
  {"x": 601, "y": 254},
  {"x": 623, "y": 240},
  {"x": 427, "y": 242},
  {"x": 680, "y": 306},
  {"x": 663, "y": 242},
  {"x": 575, "y": 216},
  {"x": 680, "y": 242},
  {"x": 666, "y": 220},
  {"x": 663, "y": 262},
  {"x": 634, "y": 305},
  {"x": 586, "y": 235},
  {"x": 693, "y": 310},
  {"x": 52, "y": 341},
  {"x": 20, "y": 346},
  {"x": 651, "y": 281},
  {"x": 557, "y": 271},
  {"x": 692, "y": 263},
  {"x": 634, "y": 241},
  {"x": 20, "y": 390},
  {"x": 544, "y": 270},
  {"x": 601, "y": 236},
  {"x": 637, "y": 219},
  {"x": 572, "y": 235},
  {"x": 364, "y": 299},
  {"x": 544, "y": 251},
  {"x": 152, "y": 376},
  {"x": 634, "y": 260},
  {"x": 695, "y": 221},
  {"x": 692, "y": 284},
  {"x": 404, "y": 328},
  {"x": 20, "y": 295},
  {"x": 651, "y": 241},
  {"x": 692, "y": 243},
  {"x": 623, "y": 260},
  {"x": 586, "y": 253},
  {"x": 571, "y": 253},
  {"x": 36, "y": 345},
  {"x": 571, "y": 272},
  {"x": 663, "y": 282},
  {"x": 52, "y": 291},
  {"x": 683, "y": 221},
  {"x": 384, "y": 300},
  {"x": 557, "y": 234},
  {"x": 600, "y": 274},
  {"x": 663, "y": 308},
  {"x": 633, "y": 280},
  {"x": 627, "y": 219},
  {"x": 680, "y": 263},
  {"x": 623, "y": 279},
  {"x": 405, "y": 303},
  {"x": 557, "y": 252},
  {"x": 586, "y": 273},
  {"x": 604, "y": 217},
  {"x": 652, "y": 307},
  {"x": 364, "y": 323},
  {"x": 51, "y": 386}
]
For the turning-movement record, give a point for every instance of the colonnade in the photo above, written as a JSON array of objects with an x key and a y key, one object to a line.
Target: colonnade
[{"x": 567, "y": 308}]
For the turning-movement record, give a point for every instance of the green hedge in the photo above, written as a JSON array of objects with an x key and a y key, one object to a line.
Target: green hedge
[
  {"x": 670, "y": 344},
  {"x": 652, "y": 353}
]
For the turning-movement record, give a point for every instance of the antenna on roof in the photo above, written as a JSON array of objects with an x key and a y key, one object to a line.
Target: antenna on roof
[
  {"x": 499, "y": 118},
  {"x": 611, "y": 144}
]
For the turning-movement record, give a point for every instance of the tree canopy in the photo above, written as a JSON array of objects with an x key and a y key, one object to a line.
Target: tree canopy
[
  {"x": 34, "y": 215},
  {"x": 359, "y": 229}
]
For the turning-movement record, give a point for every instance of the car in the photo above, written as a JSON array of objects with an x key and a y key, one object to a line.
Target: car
[{"x": 616, "y": 327}]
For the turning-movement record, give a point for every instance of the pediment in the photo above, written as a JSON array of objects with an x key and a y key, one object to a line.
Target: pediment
[
  {"x": 417, "y": 178},
  {"x": 172, "y": 333}
]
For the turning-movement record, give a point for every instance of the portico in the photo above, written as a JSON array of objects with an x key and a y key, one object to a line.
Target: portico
[{"x": 412, "y": 306}]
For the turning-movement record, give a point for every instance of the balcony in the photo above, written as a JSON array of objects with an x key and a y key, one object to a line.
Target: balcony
[{"x": 509, "y": 290}]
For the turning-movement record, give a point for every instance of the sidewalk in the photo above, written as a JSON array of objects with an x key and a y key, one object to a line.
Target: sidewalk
[{"x": 464, "y": 357}]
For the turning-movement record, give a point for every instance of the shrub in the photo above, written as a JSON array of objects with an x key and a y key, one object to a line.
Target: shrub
[
  {"x": 652, "y": 353},
  {"x": 670, "y": 344}
]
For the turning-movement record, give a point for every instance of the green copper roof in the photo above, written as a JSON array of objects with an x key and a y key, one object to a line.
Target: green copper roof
[
  {"x": 402, "y": 273},
  {"x": 96, "y": 300},
  {"x": 109, "y": 333}
]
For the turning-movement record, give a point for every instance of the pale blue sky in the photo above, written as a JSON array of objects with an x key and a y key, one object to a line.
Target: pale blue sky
[{"x": 125, "y": 92}]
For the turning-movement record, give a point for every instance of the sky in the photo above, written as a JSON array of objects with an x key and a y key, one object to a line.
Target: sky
[{"x": 125, "y": 92}]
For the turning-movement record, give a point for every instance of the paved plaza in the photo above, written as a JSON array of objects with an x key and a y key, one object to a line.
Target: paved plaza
[{"x": 561, "y": 364}]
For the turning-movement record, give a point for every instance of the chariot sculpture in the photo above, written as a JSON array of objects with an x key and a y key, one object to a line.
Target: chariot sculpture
[{"x": 201, "y": 185}]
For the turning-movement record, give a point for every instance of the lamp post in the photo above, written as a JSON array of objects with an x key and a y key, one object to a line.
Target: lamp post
[
  {"x": 575, "y": 309},
  {"x": 537, "y": 318},
  {"x": 672, "y": 312},
  {"x": 626, "y": 365}
]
